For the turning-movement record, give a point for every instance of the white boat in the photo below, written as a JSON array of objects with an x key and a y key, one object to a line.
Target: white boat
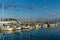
[
  {"x": 45, "y": 25},
  {"x": 18, "y": 28},
  {"x": 25, "y": 27},
  {"x": 6, "y": 28}
]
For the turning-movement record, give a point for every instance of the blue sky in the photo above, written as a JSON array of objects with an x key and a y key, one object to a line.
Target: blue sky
[{"x": 30, "y": 8}]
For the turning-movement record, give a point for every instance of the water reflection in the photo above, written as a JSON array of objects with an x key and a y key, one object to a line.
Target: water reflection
[{"x": 39, "y": 34}]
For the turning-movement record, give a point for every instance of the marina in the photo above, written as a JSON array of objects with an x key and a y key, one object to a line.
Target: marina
[
  {"x": 13, "y": 25},
  {"x": 31, "y": 35},
  {"x": 29, "y": 19}
]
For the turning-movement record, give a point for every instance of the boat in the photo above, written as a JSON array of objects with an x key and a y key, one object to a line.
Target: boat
[
  {"x": 7, "y": 28},
  {"x": 18, "y": 28}
]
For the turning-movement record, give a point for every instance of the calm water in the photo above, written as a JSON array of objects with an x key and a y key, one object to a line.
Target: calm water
[{"x": 40, "y": 34}]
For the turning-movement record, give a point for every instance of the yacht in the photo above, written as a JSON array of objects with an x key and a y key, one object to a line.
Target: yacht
[{"x": 6, "y": 28}]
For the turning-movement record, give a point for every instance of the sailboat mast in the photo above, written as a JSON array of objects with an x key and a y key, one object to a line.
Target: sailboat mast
[
  {"x": 12, "y": 9},
  {"x": 3, "y": 9}
]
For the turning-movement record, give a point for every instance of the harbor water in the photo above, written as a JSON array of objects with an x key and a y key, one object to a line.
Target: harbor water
[{"x": 38, "y": 34}]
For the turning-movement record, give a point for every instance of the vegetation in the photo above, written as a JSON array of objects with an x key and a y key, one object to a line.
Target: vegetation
[{"x": 11, "y": 19}]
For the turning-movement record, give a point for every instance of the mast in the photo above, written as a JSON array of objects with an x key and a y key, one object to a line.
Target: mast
[
  {"x": 2, "y": 9},
  {"x": 12, "y": 8}
]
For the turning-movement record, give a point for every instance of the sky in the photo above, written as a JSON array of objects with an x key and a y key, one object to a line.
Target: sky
[{"x": 30, "y": 8}]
